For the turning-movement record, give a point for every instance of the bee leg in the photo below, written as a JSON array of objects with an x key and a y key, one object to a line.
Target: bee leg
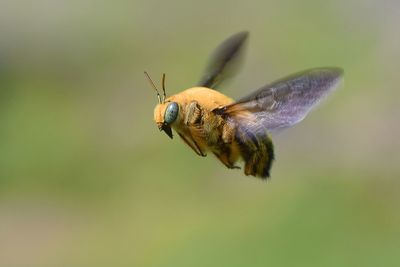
[
  {"x": 224, "y": 157},
  {"x": 193, "y": 114},
  {"x": 193, "y": 145}
]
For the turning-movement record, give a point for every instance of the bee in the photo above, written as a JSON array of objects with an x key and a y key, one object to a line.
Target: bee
[{"x": 208, "y": 121}]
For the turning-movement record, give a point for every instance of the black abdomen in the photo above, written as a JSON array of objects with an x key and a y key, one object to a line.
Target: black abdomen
[{"x": 256, "y": 150}]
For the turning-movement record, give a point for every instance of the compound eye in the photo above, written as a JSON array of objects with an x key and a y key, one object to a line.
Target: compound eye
[{"x": 171, "y": 113}]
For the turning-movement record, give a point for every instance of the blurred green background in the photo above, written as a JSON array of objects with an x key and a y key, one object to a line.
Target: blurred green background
[{"x": 86, "y": 178}]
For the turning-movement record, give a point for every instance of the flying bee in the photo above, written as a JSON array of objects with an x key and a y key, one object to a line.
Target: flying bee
[{"x": 207, "y": 120}]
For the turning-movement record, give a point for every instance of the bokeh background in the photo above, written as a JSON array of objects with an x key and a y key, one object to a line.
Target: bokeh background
[{"x": 86, "y": 178}]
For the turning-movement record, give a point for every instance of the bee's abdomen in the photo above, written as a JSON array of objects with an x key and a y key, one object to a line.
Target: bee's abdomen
[{"x": 256, "y": 150}]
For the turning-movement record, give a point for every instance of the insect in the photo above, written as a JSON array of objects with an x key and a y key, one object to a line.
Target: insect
[{"x": 208, "y": 121}]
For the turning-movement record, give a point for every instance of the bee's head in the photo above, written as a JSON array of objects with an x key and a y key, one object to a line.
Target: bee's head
[
  {"x": 166, "y": 112},
  {"x": 164, "y": 115}
]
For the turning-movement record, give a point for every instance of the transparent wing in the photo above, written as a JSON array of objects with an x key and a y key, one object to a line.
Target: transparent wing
[
  {"x": 285, "y": 102},
  {"x": 223, "y": 62}
]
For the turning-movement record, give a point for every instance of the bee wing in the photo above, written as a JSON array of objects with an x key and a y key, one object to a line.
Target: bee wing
[
  {"x": 223, "y": 61},
  {"x": 285, "y": 102}
]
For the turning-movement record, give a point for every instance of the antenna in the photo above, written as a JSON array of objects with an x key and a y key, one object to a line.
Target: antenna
[
  {"x": 154, "y": 86},
  {"x": 163, "y": 87}
]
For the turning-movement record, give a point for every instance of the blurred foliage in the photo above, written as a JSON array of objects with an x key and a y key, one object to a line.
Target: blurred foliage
[{"x": 86, "y": 179}]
